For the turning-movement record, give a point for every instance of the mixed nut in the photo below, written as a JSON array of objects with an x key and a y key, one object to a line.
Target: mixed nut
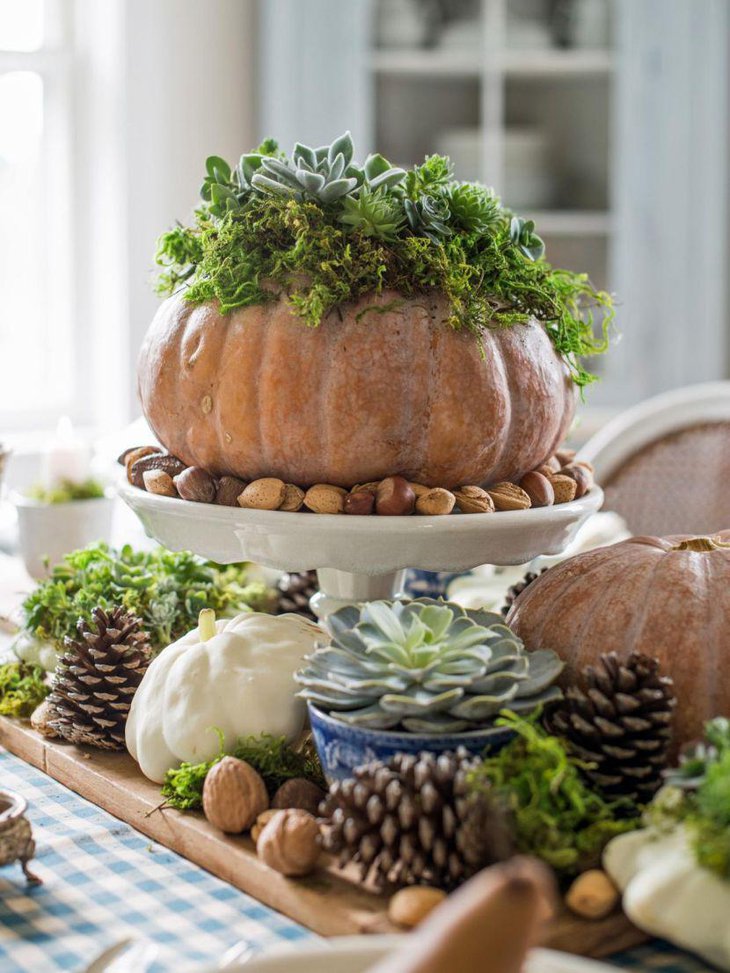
[{"x": 559, "y": 480}]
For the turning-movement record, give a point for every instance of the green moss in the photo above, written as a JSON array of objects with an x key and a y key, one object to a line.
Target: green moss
[
  {"x": 67, "y": 491},
  {"x": 22, "y": 688},
  {"x": 417, "y": 233}
]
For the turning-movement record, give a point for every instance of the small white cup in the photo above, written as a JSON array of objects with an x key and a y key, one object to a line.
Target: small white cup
[{"x": 48, "y": 531}]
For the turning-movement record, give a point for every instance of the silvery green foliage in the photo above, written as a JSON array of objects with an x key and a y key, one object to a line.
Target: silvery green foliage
[
  {"x": 425, "y": 666},
  {"x": 325, "y": 174},
  {"x": 429, "y": 215},
  {"x": 373, "y": 213},
  {"x": 522, "y": 234}
]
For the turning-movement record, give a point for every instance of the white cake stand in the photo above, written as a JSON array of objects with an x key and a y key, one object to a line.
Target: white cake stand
[{"x": 359, "y": 558}]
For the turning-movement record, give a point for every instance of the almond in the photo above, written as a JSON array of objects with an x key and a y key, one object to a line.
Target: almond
[
  {"x": 264, "y": 494},
  {"x": 582, "y": 476},
  {"x": 410, "y": 906},
  {"x": 293, "y": 498},
  {"x": 508, "y": 496},
  {"x": 323, "y": 498},
  {"x": 159, "y": 482},
  {"x": 133, "y": 453},
  {"x": 419, "y": 488},
  {"x": 564, "y": 488},
  {"x": 473, "y": 500},
  {"x": 136, "y": 468},
  {"x": 435, "y": 503},
  {"x": 371, "y": 487}
]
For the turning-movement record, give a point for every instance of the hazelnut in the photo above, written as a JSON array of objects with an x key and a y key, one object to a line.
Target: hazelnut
[
  {"x": 582, "y": 476},
  {"x": 159, "y": 482},
  {"x": 234, "y": 795},
  {"x": 473, "y": 500},
  {"x": 299, "y": 793},
  {"x": 564, "y": 488},
  {"x": 323, "y": 498},
  {"x": 584, "y": 462},
  {"x": 228, "y": 491},
  {"x": 553, "y": 464},
  {"x": 195, "y": 484},
  {"x": 508, "y": 496},
  {"x": 435, "y": 502},
  {"x": 546, "y": 469},
  {"x": 565, "y": 456},
  {"x": 153, "y": 461},
  {"x": 40, "y": 719},
  {"x": 371, "y": 487},
  {"x": 592, "y": 895},
  {"x": 133, "y": 453},
  {"x": 394, "y": 497},
  {"x": 290, "y": 842},
  {"x": 293, "y": 498},
  {"x": 410, "y": 906},
  {"x": 362, "y": 502},
  {"x": 538, "y": 488},
  {"x": 261, "y": 821},
  {"x": 264, "y": 494}
]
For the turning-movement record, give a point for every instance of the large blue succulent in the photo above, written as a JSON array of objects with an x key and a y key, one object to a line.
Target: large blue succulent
[{"x": 425, "y": 666}]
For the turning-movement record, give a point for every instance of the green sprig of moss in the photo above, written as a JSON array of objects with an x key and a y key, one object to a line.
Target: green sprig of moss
[
  {"x": 66, "y": 491},
  {"x": 423, "y": 233},
  {"x": 22, "y": 688},
  {"x": 275, "y": 759},
  {"x": 557, "y": 816}
]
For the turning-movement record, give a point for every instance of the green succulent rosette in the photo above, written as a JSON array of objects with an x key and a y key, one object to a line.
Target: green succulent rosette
[{"x": 425, "y": 666}]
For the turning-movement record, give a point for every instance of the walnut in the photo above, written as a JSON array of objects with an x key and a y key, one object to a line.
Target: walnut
[
  {"x": 299, "y": 793},
  {"x": 233, "y": 795},
  {"x": 290, "y": 843}
]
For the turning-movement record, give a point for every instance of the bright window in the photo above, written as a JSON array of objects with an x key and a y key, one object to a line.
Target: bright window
[{"x": 37, "y": 348}]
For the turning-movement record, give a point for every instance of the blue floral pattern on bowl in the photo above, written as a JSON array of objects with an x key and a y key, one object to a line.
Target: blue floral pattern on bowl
[{"x": 342, "y": 747}]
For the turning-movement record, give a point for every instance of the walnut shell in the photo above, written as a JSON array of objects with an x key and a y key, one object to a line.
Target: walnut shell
[
  {"x": 233, "y": 795},
  {"x": 290, "y": 843},
  {"x": 298, "y": 793}
]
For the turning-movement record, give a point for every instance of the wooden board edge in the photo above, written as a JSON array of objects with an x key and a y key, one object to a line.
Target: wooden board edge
[{"x": 325, "y": 902}]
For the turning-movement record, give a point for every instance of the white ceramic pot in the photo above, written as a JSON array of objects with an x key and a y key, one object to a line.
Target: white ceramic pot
[{"x": 48, "y": 531}]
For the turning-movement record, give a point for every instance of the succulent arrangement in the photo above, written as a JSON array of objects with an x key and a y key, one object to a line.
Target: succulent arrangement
[
  {"x": 425, "y": 667},
  {"x": 326, "y": 229}
]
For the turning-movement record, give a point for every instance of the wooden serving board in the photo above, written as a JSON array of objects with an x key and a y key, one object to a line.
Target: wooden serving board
[{"x": 330, "y": 902}]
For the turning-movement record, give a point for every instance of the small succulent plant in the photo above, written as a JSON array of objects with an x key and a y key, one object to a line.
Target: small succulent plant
[
  {"x": 425, "y": 666},
  {"x": 522, "y": 234},
  {"x": 373, "y": 213},
  {"x": 429, "y": 215}
]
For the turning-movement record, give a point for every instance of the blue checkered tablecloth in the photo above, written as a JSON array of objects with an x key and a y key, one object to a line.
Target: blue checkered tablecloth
[{"x": 104, "y": 881}]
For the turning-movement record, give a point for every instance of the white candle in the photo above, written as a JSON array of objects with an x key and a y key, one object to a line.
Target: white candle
[{"x": 67, "y": 458}]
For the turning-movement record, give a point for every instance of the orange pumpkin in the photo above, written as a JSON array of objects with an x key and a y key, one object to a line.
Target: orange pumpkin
[
  {"x": 667, "y": 597},
  {"x": 382, "y": 386}
]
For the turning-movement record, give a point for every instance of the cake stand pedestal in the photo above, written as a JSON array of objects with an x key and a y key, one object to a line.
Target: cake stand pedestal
[{"x": 359, "y": 558}]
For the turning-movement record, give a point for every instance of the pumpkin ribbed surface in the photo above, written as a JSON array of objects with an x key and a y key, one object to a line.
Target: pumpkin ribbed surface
[
  {"x": 382, "y": 386},
  {"x": 642, "y": 595}
]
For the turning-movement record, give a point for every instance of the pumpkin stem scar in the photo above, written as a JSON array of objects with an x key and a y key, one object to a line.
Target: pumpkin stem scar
[
  {"x": 700, "y": 544},
  {"x": 206, "y": 624}
]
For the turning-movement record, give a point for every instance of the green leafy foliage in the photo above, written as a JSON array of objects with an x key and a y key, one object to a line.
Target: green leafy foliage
[
  {"x": 556, "y": 815},
  {"x": 21, "y": 688},
  {"x": 275, "y": 759},
  {"x": 166, "y": 589},
  {"x": 698, "y": 795},
  {"x": 323, "y": 230},
  {"x": 66, "y": 491}
]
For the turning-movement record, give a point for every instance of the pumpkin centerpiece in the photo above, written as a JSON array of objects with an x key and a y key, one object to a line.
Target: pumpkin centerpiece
[
  {"x": 340, "y": 323},
  {"x": 666, "y": 597}
]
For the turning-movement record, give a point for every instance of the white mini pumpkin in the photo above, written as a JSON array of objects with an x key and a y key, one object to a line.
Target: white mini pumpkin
[
  {"x": 666, "y": 893},
  {"x": 239, "y": 680}
]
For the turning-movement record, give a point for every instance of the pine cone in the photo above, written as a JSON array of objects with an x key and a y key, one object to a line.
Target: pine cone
[
  {"x": 620, "y": 720},
  {"x": 96, "y": 679},
  {"x": 295, "y": 590},
  {"x": 411, "y": 820},
  {"x": 516, "y": 589}
]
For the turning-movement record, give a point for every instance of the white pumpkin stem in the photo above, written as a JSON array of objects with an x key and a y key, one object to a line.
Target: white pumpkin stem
[{"x": 206, "y": 624}]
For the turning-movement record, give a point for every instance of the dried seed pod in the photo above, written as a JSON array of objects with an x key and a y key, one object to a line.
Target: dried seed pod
[
  {"x": 264, "y": 494},
  {"x": 196, "y": 484},
  {"x": 228, "y": 491},
  {"x": 360, "y": 503},
  {"x": 153, "y": 461},
  {"x": 435, "y": 503},
  {"x": 324, "y": 498},
  {"x": 538, "y": 488},
  {"x": 394, "y": 497},
  {"x": 293, "y": 498},
  {"x": 564, "y": 488},
  {"x": 508, "y": 496},
  {"x": 473, "y": 500},
  {"x": 159, "y": 482},
  {"x": 234, "y": 795}
]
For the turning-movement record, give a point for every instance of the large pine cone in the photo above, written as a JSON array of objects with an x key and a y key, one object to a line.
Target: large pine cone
[
  {"x": 96, "y": 679},
  {"x": 295, "y": 590},
  {"x": 411, "y": 820},
  {"x": 619, "y": 719}
]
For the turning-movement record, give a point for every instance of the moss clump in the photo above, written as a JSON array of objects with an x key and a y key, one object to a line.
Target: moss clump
[
  {"x": 326, "y": 231},
  {"x": 22, "y": 688}
]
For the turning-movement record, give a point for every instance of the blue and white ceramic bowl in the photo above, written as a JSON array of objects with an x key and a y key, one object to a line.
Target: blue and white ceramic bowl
[{"x": 342, "y": 747}]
